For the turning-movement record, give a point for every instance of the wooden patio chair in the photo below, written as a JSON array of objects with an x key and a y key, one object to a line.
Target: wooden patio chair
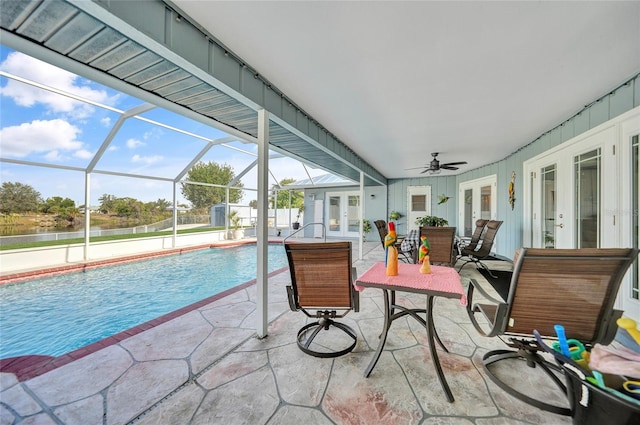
[
  {"x": 575, "y": 288},
  {"x": 322, "y": 279},
  {"x": 404, "y": 256},
  {"x": 483, "y": 252},
  {"x": 441, "y": 240}
]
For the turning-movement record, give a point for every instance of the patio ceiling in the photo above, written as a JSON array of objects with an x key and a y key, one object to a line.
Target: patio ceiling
[
  {"x": 373, "y": 86},
  {"x": 397, "y": 80}
]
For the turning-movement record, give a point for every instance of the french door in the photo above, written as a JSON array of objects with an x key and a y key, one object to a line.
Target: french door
[
  {"x": 343, "y": 214},
  {"x": 568, "y": 195},
  {"x": 477, "y": 200},
  {"x": 585, "y": 194}
]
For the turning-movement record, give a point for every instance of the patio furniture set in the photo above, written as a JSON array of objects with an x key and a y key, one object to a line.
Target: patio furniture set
[{"x": 573, "y": 287}]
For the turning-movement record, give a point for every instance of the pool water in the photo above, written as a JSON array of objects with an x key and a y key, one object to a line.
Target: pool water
[{"x": 55, "y": 315}]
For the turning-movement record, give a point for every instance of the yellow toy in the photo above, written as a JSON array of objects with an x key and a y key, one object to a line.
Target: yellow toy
[{"x": 630, "y": 326}]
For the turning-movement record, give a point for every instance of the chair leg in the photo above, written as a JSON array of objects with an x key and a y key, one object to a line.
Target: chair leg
[
  {"x": 532, "y": 359},
  {"x": 484, "y": 266},
  {"x": 324, "y": 324},
  {"x": 462, "y": 266}
]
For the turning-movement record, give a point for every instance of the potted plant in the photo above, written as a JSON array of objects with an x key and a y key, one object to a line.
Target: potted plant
[
  {"x": 235, "y": 219},
  {"x": 296, "y": 224},
  {"x": 431, "y": 220},
  {"x": 394, "y": 215},
  {"x": 366, "y": 228}
]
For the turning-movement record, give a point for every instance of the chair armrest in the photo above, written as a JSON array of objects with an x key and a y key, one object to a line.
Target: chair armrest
[
  {"x": 609, "y": 328},
  {"x": 292, "y": 299},
  {"x": 497, "y": 320},
  {"x": 355, "y": 295}
]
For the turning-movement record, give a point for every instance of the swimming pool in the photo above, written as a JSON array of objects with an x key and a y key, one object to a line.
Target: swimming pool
[{"x": 55, "y": 315}]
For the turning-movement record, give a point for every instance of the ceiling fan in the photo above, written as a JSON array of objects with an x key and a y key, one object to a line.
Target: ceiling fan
[{"x": 435, "y": 166}]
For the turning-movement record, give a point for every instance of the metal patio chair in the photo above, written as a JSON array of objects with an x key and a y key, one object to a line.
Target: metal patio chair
[
  {"x": 483, "y": 252},
  {"x": 322, "y": 279},
  {"x": 575, "y": 288},
  {"x": 472, "y": 243},
  {"x": 441, "y": 240},
  {"x": 404, "y": 256}
]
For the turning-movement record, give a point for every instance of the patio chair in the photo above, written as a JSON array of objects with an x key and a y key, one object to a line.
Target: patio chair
[
  {"x": 404, "y": 256},
  {"x": 483, "y": 252},
  {"x": 481, "y": 224},
  {"x": 575, "y": 288},
  {"x": 441, "y": 241},
  {"x": 322, "y": 279}
]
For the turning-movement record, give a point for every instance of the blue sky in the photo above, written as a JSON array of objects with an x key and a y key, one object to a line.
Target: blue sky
[{"x": 45, "y": 127}]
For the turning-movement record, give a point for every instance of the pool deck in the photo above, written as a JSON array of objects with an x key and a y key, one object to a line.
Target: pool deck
[{"x": 205, "y": 365}]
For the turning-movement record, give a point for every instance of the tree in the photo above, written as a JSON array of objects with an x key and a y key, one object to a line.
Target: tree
[
  {"x": 207, "y": 196},
  {"x": 282, "y": 201},
  {"x": 157, "y": 207},
  {"x": 56, "y": 204},
  {"x": 106, "y": 203},
  {"x": 18, "y": 198},
  {"x": 128, "y": 207}
]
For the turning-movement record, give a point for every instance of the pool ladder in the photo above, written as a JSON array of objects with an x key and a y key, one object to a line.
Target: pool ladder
[{"x": 324, "y": 231}]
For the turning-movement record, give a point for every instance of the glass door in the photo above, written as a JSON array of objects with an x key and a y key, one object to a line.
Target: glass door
[
  {"x": 343, "y": 214},
  {"x": 630, "y": 293},
  {"x": 478, "y": 201},
  {"x": 587, "y": 199},
  {"x": 334, "y": 204},
  {"x": 566, "y": 200},
  {"x": 586, "y": 194},
  {"x": 549, "y": 206},
  {"x": 635, "y": 220}
]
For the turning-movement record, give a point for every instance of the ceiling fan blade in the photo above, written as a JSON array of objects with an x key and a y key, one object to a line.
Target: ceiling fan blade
[
  {"x": 454, "y": 163},
  {"x": 415, "y": 168},
  {"x": 425, "y": 170},
  {"x": 448, "y": 167}
]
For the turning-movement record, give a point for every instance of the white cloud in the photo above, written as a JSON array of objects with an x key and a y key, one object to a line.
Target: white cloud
[
  {"x": 134, "y": 143},
  {"x": 83, "y": 153},
  {"x": 106, "y": 121},
  {"x": 146, "y": 159},
  {"x": 50, "y": 137},
  {"x": 154, "y": 133},
  {"x": 53, "y": 156},
  {"x": 33, "y": 69}
]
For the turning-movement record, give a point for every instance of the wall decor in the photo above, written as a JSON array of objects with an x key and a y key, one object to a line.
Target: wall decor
[
  {"x": 443, "y": 198},
  {"x": 512, "y": 192}
]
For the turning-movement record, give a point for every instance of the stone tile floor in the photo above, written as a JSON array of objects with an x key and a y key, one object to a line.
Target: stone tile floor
[{"x": 208, "y": 367}]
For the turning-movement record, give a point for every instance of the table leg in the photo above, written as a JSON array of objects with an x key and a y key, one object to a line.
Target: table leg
[
  {"x": 434, "y": 355},
  {"x": 383, "y": 336}
]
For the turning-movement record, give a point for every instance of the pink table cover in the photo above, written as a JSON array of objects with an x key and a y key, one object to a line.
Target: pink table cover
[{"x": 441, "y": 279}]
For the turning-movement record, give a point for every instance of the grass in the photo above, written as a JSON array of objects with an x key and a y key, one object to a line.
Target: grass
[{"x": 72, "y": 241}]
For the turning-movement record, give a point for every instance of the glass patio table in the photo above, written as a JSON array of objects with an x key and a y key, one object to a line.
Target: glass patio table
[{"x": 442, "y": 282}]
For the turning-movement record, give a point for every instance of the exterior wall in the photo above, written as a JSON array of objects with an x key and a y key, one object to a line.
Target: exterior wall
[
  {"x": 509, "y": 238},
  {"x": 397, "y": 200}
]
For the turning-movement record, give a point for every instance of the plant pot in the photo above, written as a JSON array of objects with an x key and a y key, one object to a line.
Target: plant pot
[
  {"x": 238, "y": 234},
  {"x": 296, "y": 225}
]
